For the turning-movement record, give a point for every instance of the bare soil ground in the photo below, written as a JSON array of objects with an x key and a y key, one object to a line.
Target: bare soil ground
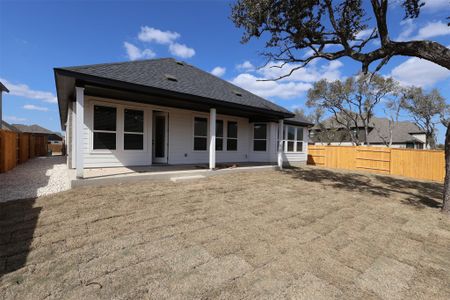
[{"x": 306, "y": 233}]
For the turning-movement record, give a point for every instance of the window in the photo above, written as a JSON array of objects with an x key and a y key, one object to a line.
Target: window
[
  {"x": 133, "y": 138},
  {"x": 293, "y": 138},
  {"x": 259, "y": 137},
  {"x": 219, "y": 135},
  {"x": 104, "y": 127},
  {"x": 232, "y": 129},
  {"x": 200, "y": 134}
]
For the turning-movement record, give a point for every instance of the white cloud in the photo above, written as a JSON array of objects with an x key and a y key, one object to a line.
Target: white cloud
[
  {"x": 435, "y": 4},
  {"x": 35, "y": 107},
  {"x": 218, "y": 71},
  {"x": 408, "y": 27},
  {"x": 433, "y": 29},
  {"x": 181, "y": 50},
  {"x": 419, "y": 72},
  {"x": 290, "y": 87},
  {"x": 364, "y": 33},
  {"x": 135, "y": 53},
  {"x": 329, "y": 71},
  {"x": 150, "y": 34},
  {"x": 14, "y": 119},
  {"x": 24, "y": 90},
  {"x": 245, "y": 66},
  {"x": 268, "y": 89}
]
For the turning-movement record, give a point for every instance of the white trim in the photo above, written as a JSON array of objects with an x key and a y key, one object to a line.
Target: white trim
[
  {"x": 212, "y": 139},
  {"x": 280, "y": 143},
  {"x": 79, "y": 130}
]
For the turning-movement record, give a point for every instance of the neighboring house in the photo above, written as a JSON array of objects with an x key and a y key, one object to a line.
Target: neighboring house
[
  {"x": 164, "y": 111},
  {"x": 52, "y": 137},
  {"x": 2, "y": 89},
  {"x": 8, "y": 127},
  {"x": 404, "y": 134}
]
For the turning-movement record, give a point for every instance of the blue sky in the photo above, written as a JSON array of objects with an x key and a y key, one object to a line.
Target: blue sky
[{"x": 36, "y": 36}]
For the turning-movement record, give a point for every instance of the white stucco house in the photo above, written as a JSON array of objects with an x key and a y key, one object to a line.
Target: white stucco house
[{"x": 163, "y": 111}]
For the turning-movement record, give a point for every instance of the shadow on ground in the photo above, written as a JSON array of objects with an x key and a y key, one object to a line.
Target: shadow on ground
[
  {"x": 416, "y": 193},
  {"x": 18, "y": 220}
]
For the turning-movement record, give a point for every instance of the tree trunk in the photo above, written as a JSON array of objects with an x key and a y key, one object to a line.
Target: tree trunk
[{"x": 446, "y": 196}]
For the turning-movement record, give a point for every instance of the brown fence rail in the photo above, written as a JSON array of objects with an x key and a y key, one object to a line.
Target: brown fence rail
[
  {"x": 420, "y": 164},
  {"x": 17, "y": 148}
]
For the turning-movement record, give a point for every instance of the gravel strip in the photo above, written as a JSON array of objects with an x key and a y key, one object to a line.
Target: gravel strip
[{"x": 37, "y": 177}]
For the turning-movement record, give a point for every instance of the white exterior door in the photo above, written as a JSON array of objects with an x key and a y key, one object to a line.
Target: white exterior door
[{"x": 160, "y": 136}]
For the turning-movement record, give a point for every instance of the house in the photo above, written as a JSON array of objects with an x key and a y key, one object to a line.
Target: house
[
  {"x": 404, "y": 134},
  {"x": 2, "y": 89},
  {"x": 52, "y": 137},
  {"x": 8, "y": 127},
  {"x": 164, "y": 111}
]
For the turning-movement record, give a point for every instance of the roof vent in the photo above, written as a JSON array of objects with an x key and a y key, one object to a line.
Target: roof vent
[
  {"x": 237, "y": 93},
  {"x": 171, "y": 78},
  {"x": 179, "y": 63}
]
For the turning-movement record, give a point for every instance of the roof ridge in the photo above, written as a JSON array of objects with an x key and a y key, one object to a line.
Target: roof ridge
[{"x": 115, "y": 63}]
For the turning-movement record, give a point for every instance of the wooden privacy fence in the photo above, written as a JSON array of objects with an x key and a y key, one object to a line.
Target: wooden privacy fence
[
  {"x": 420, "y": 164},
  {"x": 17, "y": 148}
]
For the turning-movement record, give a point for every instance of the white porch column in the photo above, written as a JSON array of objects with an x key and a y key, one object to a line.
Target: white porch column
[
  {"x": 280, "y": 144},
  {"x": 79, "y": 130},
  {"x": 212, "y": 139}
]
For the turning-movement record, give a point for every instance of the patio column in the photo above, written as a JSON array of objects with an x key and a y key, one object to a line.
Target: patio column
[
  {"x": 79, "y": 130},
  {"x": 280, "y": 144},
  {"x": 212, "y": 139}
]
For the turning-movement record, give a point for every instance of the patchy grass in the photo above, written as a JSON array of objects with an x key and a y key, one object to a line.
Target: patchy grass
[{"x": 304, "y": 233}]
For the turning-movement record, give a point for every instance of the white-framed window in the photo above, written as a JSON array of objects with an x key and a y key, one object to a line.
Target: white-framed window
[
  {"x": 105, "y": 128},
  {"x": 293, "y": 138},
  {"x": 260, "y": 137},
  {"x": 219, "y": 135},
  {"x": 133, "y": 129},
  {"x": 200, "y": 134},
  {"x": 232, "y": 135}
]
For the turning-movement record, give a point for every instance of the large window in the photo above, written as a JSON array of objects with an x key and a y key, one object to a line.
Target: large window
[
  {"x": 104, "y": 127},
  {"x": 219, "y": 135},
  {"x": 259, "y": 137},
  {"x": 200, "y": 134},
  {"x": 293, "y": 138},
  {"x": 232, "y": 140},
  {"x": 133, "y": 138}
]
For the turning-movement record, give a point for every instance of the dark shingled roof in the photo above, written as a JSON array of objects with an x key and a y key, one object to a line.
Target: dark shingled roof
[
  {"x": 3, "y": 88},
  {"x": 172, "y": 75}
]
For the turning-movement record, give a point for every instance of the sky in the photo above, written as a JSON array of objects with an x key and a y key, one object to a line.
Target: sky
[{"x": 37, "y": 36}]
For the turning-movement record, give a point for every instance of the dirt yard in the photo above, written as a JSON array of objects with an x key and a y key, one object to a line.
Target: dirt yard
[{"x": 305, "y": 233}]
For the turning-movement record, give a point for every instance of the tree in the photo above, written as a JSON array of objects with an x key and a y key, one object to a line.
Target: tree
[
  {"x": 393, "y": 106},
  {"x": 425, "y": 108},
  {"x": 301, "y": 113},
  {"x": 332, "y": 31},
  {"x": 352, "y": 102},
  {"x": 445, "y": 120}
]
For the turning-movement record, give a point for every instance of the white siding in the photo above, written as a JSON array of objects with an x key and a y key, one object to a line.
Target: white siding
[{"x": 180, "y": 144}]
